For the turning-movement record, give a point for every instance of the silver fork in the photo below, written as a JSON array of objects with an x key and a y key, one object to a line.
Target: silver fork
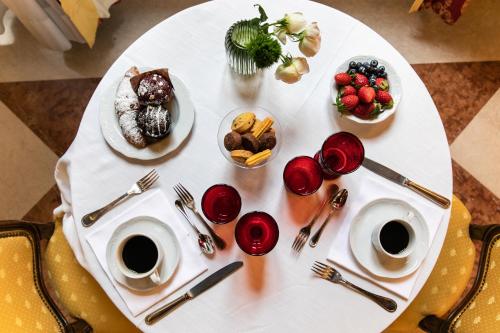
[
  {"x": 331, "y": 274},
  {"x": 141, "y": 186},
  {"x": 305, "y": 232},
  {"x": 188, "y": 200}
]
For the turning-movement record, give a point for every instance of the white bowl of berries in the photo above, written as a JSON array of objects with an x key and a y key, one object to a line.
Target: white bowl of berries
[{"x": 366, "y": 89}]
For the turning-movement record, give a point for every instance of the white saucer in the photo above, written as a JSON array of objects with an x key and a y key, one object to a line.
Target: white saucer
[
  {"x": 395, "y": 88},
  {"x": 181, "y": 109},
  {"x": 368, "y": 218},
  {"x": 156, "y": 229}
]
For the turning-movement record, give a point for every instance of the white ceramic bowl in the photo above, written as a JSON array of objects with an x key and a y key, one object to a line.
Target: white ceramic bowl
[
  {"x": 395, "y": 88},
  {"x": 225, "y": 127}
]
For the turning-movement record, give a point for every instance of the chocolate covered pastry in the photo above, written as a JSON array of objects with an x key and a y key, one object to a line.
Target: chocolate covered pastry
[
  {"x": 154, "y": 121},
  {"x": 153, "y": 87}
]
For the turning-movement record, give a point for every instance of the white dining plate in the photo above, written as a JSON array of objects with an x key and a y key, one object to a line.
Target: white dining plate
[
  {"x": 181, "y": 110},
  {"x": 154, "y": 228},
  {"x": 395, "y": 88},
  {"x": 368, "y": 218}
]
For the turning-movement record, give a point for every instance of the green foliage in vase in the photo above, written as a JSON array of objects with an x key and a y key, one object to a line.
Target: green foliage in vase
[{"x": 264, "y": 49}]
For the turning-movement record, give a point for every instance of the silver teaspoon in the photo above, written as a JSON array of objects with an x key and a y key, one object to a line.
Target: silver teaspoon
[
  {"x": 338, "y": 201},
  {"x": 204, "y": 241}
]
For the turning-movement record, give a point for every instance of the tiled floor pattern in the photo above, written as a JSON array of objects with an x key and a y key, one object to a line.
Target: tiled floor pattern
[
  {"x": 421, "y": 37},
  {"x": 477, "y": 147}
]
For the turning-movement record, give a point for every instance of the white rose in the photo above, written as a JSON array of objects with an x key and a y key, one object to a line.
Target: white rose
[
  {"x": 293, "y": 71},
  {"x": 281, "y": 34},
  {"x": 295, "y": 22},
  {"x": 310, "y": 41}
]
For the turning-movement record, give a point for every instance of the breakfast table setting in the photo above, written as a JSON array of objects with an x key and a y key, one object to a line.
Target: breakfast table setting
[{"x": 266, "y": 168}]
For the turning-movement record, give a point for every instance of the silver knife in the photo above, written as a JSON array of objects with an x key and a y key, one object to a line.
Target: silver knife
[
  {"x": 208, "y": 282},
  {"x": 392, "y": 175}
]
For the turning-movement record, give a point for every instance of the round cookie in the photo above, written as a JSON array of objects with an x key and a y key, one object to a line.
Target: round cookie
[
  {"x": 243, "y": 122},
  {"x": 232, "y": 140},
  {"x": 241, "y": 155},
  {"x": 249, "y": 142},
  {"x": 267, "y": 141}
]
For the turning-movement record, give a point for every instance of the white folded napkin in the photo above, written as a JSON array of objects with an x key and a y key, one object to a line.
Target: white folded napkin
[
  {"x": 370, "y": 189},
  {"x": 191, "y": 263}
]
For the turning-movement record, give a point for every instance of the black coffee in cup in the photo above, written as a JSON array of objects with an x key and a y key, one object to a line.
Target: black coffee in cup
[
  {"x": 140, "y": 254},
  {"x": 394, "y": 237}
]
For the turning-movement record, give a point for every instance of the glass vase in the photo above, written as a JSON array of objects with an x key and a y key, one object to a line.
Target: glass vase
[{"x": 237, "y": 38}]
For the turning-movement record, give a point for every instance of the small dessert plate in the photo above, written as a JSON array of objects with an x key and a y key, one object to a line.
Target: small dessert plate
[
  {"x": 158, "y": 230},
  {"x": 395, "y": 89},
  {"x": 181, "y": 110},
  {"x": 368, "y": 219}
]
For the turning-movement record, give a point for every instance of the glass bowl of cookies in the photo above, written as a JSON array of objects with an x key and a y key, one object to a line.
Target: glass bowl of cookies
[{"x": 249, "y": 137}]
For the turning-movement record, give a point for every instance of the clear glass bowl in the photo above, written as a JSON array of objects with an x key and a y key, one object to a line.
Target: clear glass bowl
[{"x": 225, "y": 127}]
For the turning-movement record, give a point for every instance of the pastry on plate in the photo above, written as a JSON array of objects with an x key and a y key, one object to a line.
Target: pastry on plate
[
  {"x": 126, "y": 108},
  {"x": 153, "y": 87},
  {"x": 154, "y": 122}
]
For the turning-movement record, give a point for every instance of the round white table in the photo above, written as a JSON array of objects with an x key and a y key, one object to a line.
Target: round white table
[{"x": 277, "y": 292}]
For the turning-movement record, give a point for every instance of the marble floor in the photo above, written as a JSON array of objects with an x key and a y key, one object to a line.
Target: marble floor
[{"x": 460, "y": 65}]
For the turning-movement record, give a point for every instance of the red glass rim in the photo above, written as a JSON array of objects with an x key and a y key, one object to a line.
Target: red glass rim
[
  {"x": 353, "y": 139},
  {"x": 256, "y": 233},
  {"x": 226, "y": 213},
  {"x": 313, "y": 166}
]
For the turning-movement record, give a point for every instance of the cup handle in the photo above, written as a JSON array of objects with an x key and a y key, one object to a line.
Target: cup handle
[{"x": 155, "y": 277}]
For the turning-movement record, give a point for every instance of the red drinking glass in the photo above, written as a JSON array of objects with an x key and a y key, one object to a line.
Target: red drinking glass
[
  {"x": 221, "y": 203},
  {"x": 341, "y": 153},
  {"x": 303, "y": 175},
  {"x": 256, "y": 233}
]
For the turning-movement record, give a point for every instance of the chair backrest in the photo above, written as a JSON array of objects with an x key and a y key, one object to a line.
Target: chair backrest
[
  {"x": 25, "y": 243},
  {"x": 479, "y": 311}
]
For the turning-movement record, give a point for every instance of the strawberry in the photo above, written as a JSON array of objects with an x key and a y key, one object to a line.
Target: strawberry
[
  {"x": 366, "y": 110},
  {"x": 360, "y": 80},
  {"x": 362, "y": 110},
  {"x": 382, "y": 84},
  {"x": 347, "y": 90},
  {"x": 384, "y": 98},
  {"x": 347, "y": 103},
  {"x": 343, "y": 79},
  {"x": 366, "y": 94}
]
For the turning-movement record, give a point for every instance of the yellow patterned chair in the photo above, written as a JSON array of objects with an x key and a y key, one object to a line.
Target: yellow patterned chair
[
  {"x": 41, "y": 285},
  {"x": 479, "y": 311}
]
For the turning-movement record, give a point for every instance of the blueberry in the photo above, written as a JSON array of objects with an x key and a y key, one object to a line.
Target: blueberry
[
  {"x": 362, "y": 70},
  {"x": 373, "y": 77},
  {"x": 366, "y": 64},
  {"x": 383, "y": 75},
  {"x": 352, "y": 64},
  {"x": 374, "y": 63},
  {"x": 351, "y": 71},
  {"x": 381, "y": 69},
  {"x": 358, "y": 64},
  {"x": 372, "y": 82}
]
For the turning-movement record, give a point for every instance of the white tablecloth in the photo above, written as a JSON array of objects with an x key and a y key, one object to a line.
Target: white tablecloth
[{"x": 277, "y": 292}]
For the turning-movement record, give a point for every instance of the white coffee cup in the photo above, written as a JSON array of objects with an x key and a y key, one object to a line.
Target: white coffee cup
[
  {"x": 152, "y": 274},
  {"x": 404, "y": 253}
]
